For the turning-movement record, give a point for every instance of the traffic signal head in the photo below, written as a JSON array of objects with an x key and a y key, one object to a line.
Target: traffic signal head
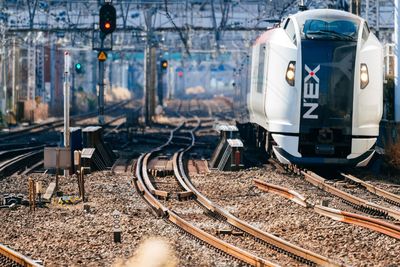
[
  {"x": 78, "y": 68},
  {"x": 164, "y": 64},
  {"x": 108, "y": 18}
]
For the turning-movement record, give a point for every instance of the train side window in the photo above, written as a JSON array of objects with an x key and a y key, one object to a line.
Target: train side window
[
  {"x": 261, "y": 71},
  {"x": 366, "y": 32},
  {"x": 290, "y": 31}
]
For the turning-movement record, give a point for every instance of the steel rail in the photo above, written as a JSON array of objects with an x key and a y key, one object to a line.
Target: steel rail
[
  {"x": 6, "y": 154},
  {"x": 357, "y": 202},
  {"x": 388, "y": 196},
  {"x": 161, "y": 210},
  {"x": 335, "y": 214},
  {"x": 148, "y": 183},
  {"x": 363, "y": 221},
  {"x": 14, "y": 258},
  {"x": 301, "y": 253},
  {"x": 146, "y": 177},
  {"x": 306, "y": 255},
  {"x": 32, "y": 168},
  {"x": 282, "y": 191},
  {"x": 187, "y": 193},
  {"x": 54, "y": 123},
  {"x": 10, "y": 166},
  {"x": 141, "y": 165},
  {"x": 219, "y": 244},
  {"x": 164, "y": 212}
]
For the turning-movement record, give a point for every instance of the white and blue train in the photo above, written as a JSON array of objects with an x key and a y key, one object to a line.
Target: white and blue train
[{"x": 316, "y": 89}]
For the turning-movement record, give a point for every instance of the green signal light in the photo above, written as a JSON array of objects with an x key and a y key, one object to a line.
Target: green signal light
[{"x": 79, "y": 68}]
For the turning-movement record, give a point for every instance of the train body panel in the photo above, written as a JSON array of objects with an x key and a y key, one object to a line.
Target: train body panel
[
  {"x": 317, "y": 87},
  {"x": 366, "y": 119},
  {"x": 270, "y": 97}
]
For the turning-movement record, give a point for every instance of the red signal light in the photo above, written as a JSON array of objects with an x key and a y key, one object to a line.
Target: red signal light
[{"x": 180, "y": 73}]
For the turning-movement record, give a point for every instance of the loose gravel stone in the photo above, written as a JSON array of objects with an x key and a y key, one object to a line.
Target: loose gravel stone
[
  {"x": 66, "y": 235},
  {"x": 348, "y": 244}
]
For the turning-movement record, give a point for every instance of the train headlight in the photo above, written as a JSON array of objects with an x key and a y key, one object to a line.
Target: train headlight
[
  {"x": 364, "y": 77},
  {"x": 290, "y": 73}
]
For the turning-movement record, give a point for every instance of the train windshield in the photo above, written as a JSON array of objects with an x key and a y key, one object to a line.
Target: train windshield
[{"x": 329, "y": 28}]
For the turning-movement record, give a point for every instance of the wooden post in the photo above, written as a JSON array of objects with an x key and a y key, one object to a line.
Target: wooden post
[
  {"x": 57, "y": 167},
  {"x": 81, "y": 181},
  {"x": 32, "y": 194},
  {"x": 77, "y": 160},
  {"x": 83, "y": 184}
]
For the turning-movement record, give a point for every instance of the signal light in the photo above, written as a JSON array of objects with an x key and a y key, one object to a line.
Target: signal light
[
  {"x": 180, "y": 73},
  {"x": 108, "y": 18},
  {"x": 164, "y": 64},
  {"x": 78, "y": 68}
]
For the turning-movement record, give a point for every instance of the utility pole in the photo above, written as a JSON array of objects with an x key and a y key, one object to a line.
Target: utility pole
[
  {"x": 150, "y": 82},
  {"x": 3, "y": 102},
  {"x": 53, "y": 49},
  {"x": 356, "y": 7},
  {"x": 397, "y": 61},
  {"x": 14, "y": 78},
  {"x": 150, "y": 69},
  {"x": 67, "y": 68}
]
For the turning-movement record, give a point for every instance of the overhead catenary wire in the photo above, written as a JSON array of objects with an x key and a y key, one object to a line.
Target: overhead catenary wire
[{"x": 183, "y": 39}]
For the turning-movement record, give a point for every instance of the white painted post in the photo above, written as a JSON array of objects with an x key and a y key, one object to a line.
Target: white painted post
[
  {"x": 14, "y": 78},
  {"x": 396, "y": 59},
  {"x": 117, "y": 226},
  {"x": 67, "y": 67}
]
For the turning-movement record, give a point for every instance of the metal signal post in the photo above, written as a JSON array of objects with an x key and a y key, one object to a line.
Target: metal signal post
[{"x": 107, "y": 24}]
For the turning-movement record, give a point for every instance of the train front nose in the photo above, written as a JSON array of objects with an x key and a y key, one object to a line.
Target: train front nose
[{"x": 327, "y": 98}]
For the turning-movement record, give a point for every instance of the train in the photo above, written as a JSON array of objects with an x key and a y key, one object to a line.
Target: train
[{"x": 314, "y": 89}]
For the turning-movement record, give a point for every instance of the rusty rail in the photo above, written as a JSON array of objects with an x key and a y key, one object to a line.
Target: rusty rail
[
  {"x": 149, "y": 184},
  {"x": 140, "y": 183},
  {"x": 163, "y": 211},
  {"x": 364, "y": 221},
  {"x": 389, "y": 197},
  {"x": 356, "y": 202},
  {"x": 38, "y": 128},
  {"x": 290, "y": 194},
  {"x": 146, "y": 178},
  {"x": 9, "y": 257},
  {"x": 305, "y": 255},
  {"x": 338, "y": 215}
]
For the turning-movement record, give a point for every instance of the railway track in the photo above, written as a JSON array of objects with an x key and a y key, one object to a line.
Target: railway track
[
  {"x": 355, "y": 202},
  {"x": 335, "y": 214},
  {"x": 11, "y": 166},
  {"x": 385, "y": 195},
  {"x": 11, "y": 258},
  {"x": 27, "y": 159},
  {"x": 392, "y": 216},
  {"x": 153, "y": 195},
  {"x": 42, "y": 127},
  {"x": 141, "y": 175}
]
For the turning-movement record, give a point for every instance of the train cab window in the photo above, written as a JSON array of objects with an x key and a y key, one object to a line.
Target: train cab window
[
  {"x": 366, "y": 32},
  {"x": 290, "y": 30},
  {"x": 329, "y": 29}
]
